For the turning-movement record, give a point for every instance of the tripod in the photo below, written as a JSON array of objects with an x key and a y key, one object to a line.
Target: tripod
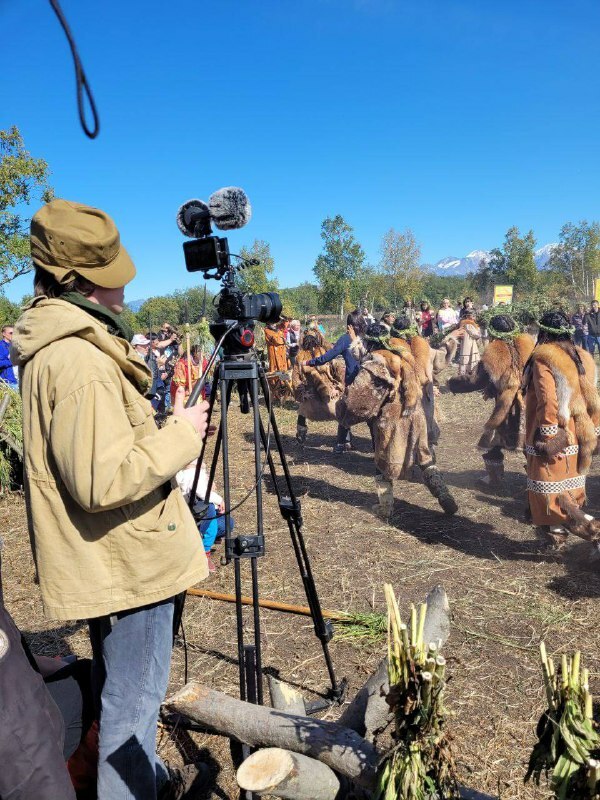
[{"x": 243, "y": 370}]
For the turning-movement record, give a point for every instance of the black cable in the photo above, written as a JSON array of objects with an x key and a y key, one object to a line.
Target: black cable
[{"x": 80, "y": 77}]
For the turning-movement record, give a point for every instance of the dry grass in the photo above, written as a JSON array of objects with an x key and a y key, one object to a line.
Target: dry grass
[{"x": 505, "y": 594}]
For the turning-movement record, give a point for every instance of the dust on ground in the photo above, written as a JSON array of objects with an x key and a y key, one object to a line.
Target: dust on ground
[{"x": 505, "y": 591}]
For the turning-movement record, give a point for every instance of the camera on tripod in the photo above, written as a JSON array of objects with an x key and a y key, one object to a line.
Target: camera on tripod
[{"x": 228, "y": 209}]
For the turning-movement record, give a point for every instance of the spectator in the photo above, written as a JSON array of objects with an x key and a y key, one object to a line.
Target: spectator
[
  {"x": 186, "y": 378},
  {"x": 425, "y": 320},
  {"x": 6, "y": 368},
  {"x": 592, "y": 321},
  {"x": 577, "y": 321},
  {"x": 345, "y": 347},
  {"x": 212, "y": 517},
  {"x": 409, "y": 311},
  {"x": 446, "y": 317},
  {"x": 367, "y": 316},
  {"x": 314, "y": 324},
  {"x": 467, "y": 309},
  {"x": 293, "y": 340},
  {"x": 156, "y": 362}
]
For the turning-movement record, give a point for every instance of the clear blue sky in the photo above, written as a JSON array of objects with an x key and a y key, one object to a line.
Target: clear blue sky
[{"x": 456, "y": 119}]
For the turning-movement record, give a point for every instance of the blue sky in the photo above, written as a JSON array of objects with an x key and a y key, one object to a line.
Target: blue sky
[{"x": 456, "y": 119}]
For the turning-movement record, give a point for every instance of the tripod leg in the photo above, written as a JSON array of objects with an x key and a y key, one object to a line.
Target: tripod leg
[
  {"x": 290, "y": 510},
  {"x": 260, "y": 532}
]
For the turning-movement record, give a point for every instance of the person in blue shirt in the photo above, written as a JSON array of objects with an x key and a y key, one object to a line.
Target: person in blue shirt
[
  {"x": 6, "y": 368},
  {"x": 344, "y": 347}
]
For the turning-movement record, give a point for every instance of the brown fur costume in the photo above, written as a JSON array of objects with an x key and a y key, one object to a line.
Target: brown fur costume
[
  {"x": 498, "y": 376},
  {"x": 422, "y": 354},
  {"x": 387, "y": 391},
  {"x": 317, "y": 389},
  {"x": 576, "y": 394},
  {"x": 562, "y": 415}
]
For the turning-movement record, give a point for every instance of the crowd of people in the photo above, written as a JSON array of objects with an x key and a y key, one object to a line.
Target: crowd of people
[{"x": 108, "y": 490}]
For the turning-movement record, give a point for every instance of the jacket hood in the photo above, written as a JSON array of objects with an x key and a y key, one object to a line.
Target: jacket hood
[{"x": 47, "y": 320}]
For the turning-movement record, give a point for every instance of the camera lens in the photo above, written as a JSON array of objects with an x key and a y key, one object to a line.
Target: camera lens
[{"x": 264, "y": 307}]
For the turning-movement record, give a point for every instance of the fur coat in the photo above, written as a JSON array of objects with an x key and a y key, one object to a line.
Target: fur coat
[
  {"x": 387, "y": 394},
  {"x": 422, "y": 354},
  {"x": 562, "y": 418},
  {"x": 317, "y": 389},
  {"x": 498, "y": 376}
]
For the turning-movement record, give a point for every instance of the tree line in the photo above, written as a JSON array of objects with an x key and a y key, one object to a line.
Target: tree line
[{"x": 343, "y": 278}]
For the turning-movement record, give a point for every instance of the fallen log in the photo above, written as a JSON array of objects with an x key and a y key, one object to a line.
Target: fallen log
[
  {"x": 284, "y": 774},
  {"x": 285, "y": 698},
  {"x": 340, "y": 748}
]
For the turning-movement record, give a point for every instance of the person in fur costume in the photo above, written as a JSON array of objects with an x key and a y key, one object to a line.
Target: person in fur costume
[
  {"x": 404, "y": 334},
  {"x": 316, "y": 388},
  {"x": 562, "y": 418},
  {"x": 498, "y": 376},
  {"x": 386, "y": 393}
]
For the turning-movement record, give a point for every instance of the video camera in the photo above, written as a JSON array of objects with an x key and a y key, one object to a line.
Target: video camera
[{"x": 228, "y": 209}]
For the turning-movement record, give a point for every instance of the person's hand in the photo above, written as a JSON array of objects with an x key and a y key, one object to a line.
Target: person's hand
[
  {"x": 221, "y": 507},
  {"x": 197, "y": 415},
  {"x": 163, "y": 375},
  {"x": 351, "y": 333}
]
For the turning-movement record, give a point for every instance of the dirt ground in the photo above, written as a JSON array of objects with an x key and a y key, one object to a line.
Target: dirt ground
[{"x": 506, "y": 593}]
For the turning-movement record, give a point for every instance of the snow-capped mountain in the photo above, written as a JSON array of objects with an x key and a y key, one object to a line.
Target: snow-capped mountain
[{"x": 469, "y": 263}]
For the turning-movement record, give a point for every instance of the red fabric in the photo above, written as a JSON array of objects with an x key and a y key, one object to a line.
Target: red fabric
[{"x": 83, "y": 764}]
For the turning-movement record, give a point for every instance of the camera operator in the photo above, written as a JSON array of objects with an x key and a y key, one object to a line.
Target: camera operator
[{"x": 113, "y": 540}]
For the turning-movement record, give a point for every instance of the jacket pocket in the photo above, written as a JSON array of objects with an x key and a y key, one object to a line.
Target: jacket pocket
[
  {"x": 155, "y": 512},
  {"x": 138, "y": 411}
]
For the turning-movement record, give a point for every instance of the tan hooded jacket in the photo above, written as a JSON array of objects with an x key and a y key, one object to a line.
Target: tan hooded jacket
[{"x": 108, "y": 531}]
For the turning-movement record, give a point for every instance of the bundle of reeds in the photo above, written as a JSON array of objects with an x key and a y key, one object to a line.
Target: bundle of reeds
[
  {"x": 420, "y": 765},
  {"x": 568, "y": 744}
]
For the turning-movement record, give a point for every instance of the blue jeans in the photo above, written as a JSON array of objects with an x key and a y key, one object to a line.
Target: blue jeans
[
  {"x": 211, "y": 528},
  {"x": 130, "y": 673},
  {"x": 592, "y": 343}
]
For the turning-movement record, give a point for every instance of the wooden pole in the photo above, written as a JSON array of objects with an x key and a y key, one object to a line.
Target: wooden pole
[
  {"x": 272, "y": 604},
  {"x": 281, "y": 773},
  {"x": 189, "y": 358}
]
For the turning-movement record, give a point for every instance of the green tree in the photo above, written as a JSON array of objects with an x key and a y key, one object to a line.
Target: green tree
[
  {"x": 575, "y": 262},
  {"x": 23, "y": 179},
  {"x": 257, "y": 277},
  {"x": 131, "y": 319},
  {"x": 193, "y": 304},
  {"x": 400, "y": 266},
  {"x": 157, "y": 310},
  {"x": 303, "y": 298},
  {"x": 436, "y": 287},
  {"x": 514, "y": 264},
  {"x": 339, "y": 264}
]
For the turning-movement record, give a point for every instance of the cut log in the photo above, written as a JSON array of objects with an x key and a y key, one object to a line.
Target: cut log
[
  {"x": 285, "y": 698},
  {"x": 340, "y": 748},
  {"x": 284, "y": 774},
  {"x": 371, "y": 694},
  {"x": 437, "y": 619}
]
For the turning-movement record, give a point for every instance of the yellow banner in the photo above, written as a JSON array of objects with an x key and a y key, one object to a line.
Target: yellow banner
[
  {"x": 597, "y": 289},
  {"x": 503, "y": 295}
]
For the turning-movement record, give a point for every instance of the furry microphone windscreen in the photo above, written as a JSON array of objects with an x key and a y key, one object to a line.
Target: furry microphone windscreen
[
  {"x": 188, "y": 215},
  {"x": 229, "y": 208}
]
